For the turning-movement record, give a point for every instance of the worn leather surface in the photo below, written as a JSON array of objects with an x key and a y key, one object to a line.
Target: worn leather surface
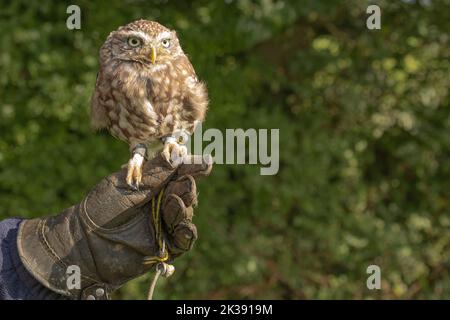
[
  {"x": 16, "y": 283},
  {"x": 108, "y": 233}
]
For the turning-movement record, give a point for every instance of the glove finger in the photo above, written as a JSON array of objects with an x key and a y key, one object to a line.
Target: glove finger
[
  {"x": 185, "y": 236},
  {"x": 175, "y": 212},
  {"x": 178, "y": 220},
  {"x": 195, "y": 165},
  {"x": 156, "y": 172},
  {"x": 185, "y": 188}
]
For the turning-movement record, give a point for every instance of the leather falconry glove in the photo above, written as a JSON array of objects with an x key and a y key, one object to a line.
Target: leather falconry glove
[{"x": 109, "y": 233}]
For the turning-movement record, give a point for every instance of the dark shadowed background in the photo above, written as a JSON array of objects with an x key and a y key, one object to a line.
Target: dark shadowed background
[{"x": 364, "y": 125}]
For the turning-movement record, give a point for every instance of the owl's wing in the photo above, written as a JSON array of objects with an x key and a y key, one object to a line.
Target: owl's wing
[
  {"x": 196, "y": 101},
  {"x": 99, "y": 116}
]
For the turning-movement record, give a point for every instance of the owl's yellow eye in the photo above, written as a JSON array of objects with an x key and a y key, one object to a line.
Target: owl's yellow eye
[
  {"x": 134, "y": 42},
  {"x": 165, "y": 43}
]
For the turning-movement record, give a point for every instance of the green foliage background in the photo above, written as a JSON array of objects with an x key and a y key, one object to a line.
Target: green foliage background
[{"x": 364, "y": 142}]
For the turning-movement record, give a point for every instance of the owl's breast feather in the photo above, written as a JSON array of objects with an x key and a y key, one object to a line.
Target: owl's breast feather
[{"x": 149, "y": 103}]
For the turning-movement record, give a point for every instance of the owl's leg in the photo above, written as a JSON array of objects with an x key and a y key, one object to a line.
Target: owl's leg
[
  {"x": 134, "y": 170},
  {"x": 173, "y": 152}
]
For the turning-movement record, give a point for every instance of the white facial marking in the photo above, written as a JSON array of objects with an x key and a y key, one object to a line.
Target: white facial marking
[
  {"x": 164, "y": 35},
  {"x": 141, "y": 34}
]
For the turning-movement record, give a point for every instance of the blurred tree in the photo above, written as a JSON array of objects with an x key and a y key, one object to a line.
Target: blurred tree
[{"x": 364, "y": 149}]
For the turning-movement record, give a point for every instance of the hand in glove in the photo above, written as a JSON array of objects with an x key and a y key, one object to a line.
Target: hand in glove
[{"x": 109, "y": 234}]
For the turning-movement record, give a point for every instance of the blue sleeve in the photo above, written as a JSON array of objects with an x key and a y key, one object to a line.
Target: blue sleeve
[{"x": 16, "y": 283}]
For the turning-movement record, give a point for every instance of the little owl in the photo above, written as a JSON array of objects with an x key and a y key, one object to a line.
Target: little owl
[{"x": 147, "y": 92}]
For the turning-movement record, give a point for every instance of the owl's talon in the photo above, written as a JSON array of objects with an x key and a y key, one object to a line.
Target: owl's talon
[
  {"x": 134, "y": 171},
  {"x": 166, "y": 155},
  {"x": 174, "y": 153},
  {"x": 183, "y": 151},
  {"x": 133, "y": 187}
]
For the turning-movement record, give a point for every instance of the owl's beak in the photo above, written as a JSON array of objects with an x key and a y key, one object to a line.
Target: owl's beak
[{"x": 153, "y": 55}]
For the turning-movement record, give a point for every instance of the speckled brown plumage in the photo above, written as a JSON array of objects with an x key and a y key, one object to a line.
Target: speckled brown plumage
[{"x": 146, "y": 88}]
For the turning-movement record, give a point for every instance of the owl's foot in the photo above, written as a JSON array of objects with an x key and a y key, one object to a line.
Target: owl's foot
[
  {"x": 134, "y": 173},
  {"x": 174, "y": 153}
]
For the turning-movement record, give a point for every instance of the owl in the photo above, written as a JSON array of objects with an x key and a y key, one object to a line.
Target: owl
[{"x": 147, "y": 93}]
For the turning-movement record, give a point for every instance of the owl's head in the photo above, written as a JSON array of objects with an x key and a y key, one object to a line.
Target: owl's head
[{"x": 142, "y": 41}]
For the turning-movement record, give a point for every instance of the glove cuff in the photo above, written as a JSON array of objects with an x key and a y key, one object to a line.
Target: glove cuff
[
  {"x": 56, "y": 248},
  {"x": 42, "y": 261}
]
